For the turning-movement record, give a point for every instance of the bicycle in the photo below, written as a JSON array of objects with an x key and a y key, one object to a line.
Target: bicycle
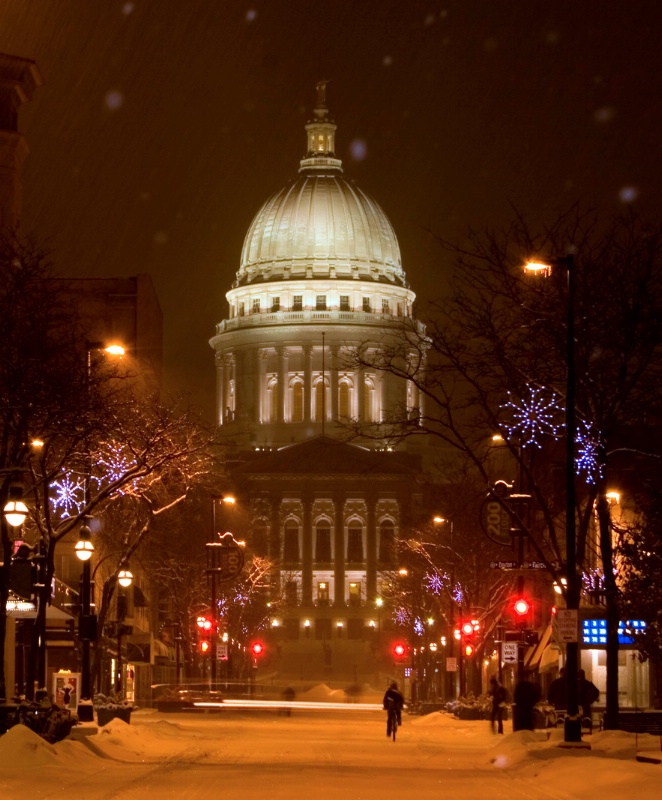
[{"x": 392, "y": 721}]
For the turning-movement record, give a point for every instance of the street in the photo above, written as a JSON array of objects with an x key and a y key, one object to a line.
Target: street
[{"x": 258, "y": 754}]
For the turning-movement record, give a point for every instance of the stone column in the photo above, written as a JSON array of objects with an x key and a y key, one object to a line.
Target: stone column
[
  {"x": 260, "y": 386},
  {"x": 275, "y": 549},
  {"x": 282, "y": 382},
  {"x": 307, "y": 553},
  {"x": 220, "y": 388},
  {"x": 371, "y": 549},
  {"x": 339, "y": 553},
  {"x": 333, "y": 381},
  {"x": 307, "y": 382},
  {"x": 359, "y": 382}
]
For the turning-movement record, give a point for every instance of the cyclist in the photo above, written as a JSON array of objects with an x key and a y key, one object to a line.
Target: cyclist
[{"x": 393, "y": 702}]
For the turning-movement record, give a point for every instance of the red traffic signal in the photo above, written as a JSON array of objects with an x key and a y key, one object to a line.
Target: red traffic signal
[
  {"x": 521, "y": 607},
  {"x": 399, "y": 650},
  {"x": 205, "y": 623},
  {"x": 467, "y": 629},
  {"x": 469, "y": 650},
  {"x": 257, "y": 648}
]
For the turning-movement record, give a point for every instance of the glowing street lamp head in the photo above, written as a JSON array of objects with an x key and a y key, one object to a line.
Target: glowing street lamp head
[
  {"x": 115, "y": 350},
  {"x": 84, "y": 547},
  {"x": 538, "y": 268},
  {"x": 15, "y": 513}
]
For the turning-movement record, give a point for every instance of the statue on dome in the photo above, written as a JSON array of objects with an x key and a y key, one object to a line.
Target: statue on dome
[{"x": 321, "y": 92}]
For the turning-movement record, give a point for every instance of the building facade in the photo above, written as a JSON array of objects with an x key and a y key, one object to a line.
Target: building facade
[{"x": 320, "y": 277}]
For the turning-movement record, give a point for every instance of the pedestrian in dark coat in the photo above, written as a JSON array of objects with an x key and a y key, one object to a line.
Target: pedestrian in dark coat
[
  {"x": 498, "y": 712},
  {"x": 587, "y": 694},
  {"x": 393, "y": 699},
  {"x": 558, "y": 692}
]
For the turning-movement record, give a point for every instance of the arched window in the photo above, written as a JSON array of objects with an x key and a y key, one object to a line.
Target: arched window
[
  {"x": 355, "y": 542},
  {"x": 344, "y": 411},
  {"x": 387, "y": 542},
  {"x": 320, "y": 406},
  {"x": 291, "y": 542},
  {"x": 297, "y": 402},
  {"x": 369, "y": 401},
  {"x": 271, "y": 409},
  {"x": 323, "y": 542}
]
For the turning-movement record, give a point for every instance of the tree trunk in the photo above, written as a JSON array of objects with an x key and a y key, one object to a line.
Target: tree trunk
[{"x": 613, "y": 610}]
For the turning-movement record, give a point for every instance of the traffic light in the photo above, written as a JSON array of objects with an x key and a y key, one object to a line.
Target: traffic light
[
  {"x": 204, "y": 646},
  {"x": 521, "y": 607},
  {"x": 469, "y": 650},
  {"x": 399, "y": 650},
  {"x": 469, "y": 633},
  {"x": 205, "y": 630},
  {"x": 257, "y": 648},
  {"x": 206, "y": 624}
]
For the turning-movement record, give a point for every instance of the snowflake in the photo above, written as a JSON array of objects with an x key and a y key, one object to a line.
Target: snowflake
[
  {"x": 401, "y": 616},
  {"x": 588, "y": 457},
  {"x": 113, "y": 464},
  {"x": 419, "y": 628},
  {"x": 458, "y": 595},
  {"x": 69, "y": 495},
  {"x": 533, "y": 417},
  {"x": 434, "y": 582}
]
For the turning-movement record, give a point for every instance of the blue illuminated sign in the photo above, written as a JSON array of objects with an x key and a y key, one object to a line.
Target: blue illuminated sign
[{"x": 594, "y": 632}]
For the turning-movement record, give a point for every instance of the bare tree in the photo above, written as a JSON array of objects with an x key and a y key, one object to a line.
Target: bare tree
[{"x": 492, "y": 359}]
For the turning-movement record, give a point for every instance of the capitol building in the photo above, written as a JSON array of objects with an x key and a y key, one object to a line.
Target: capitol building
[{"x": 320, "y": 276}]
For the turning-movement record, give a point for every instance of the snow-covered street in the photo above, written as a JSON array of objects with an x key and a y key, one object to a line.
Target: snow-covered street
[{"x": 258, "y": 754}]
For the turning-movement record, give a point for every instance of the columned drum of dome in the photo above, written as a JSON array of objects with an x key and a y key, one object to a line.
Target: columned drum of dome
[{"x": 320, "y": 274}]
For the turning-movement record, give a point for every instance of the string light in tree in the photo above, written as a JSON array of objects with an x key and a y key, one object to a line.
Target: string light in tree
[
  {"x": 69, "y": 495},
  {"x": 535, "y": 415},
  {"x": 588, "y": 456}
]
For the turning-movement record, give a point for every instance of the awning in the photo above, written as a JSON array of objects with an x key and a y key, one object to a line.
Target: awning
[
  {"x": 535, "y": 654},
  {"x": 549, "y": 660}
]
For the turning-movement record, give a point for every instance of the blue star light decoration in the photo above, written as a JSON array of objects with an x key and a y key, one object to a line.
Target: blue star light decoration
[
  {"x": 419, "y": 628},
  {"x": 588, "y": 459},
  {"x": 401, "y": 616},
  {"x": 434, "y": 582},
  {"x": 533, "y": 416},
  {"x": 458, "y": 595},
  {"x": 69, "y": 496}
]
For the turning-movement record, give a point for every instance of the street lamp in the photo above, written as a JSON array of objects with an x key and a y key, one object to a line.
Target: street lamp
[
  {"x": 124, "y": 579},
  {"x": 573, "y": 725},
  {"x": 86, "y": 623},
  {"x": 450, "y": 675},
  {"x": 15, "y": 510}
]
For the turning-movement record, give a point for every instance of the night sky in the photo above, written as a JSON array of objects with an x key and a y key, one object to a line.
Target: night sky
[{"x": 164, "y": 125}]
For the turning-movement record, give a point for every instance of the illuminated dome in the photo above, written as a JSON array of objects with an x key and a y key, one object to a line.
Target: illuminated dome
[{"x": 321, "y": 225}]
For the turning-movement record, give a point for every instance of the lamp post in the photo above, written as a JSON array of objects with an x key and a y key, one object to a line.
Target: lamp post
[
  {"x": 86, "y": 623},
  {"x": 573, "y": 726},
  {"x": 450, "y": 676},
  {"x": 124, "y": 579}
]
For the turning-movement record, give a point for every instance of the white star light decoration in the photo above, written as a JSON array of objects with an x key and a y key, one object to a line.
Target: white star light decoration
[
  {"x": 401, "y": 616},
  {"x": 588, "y": 456},
  {"x": 113, "y": 464},
  {"x": 533, "y": 417},
  {"x": 69, "y": 495}
]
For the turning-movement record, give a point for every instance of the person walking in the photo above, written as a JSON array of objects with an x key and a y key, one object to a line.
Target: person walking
[
  {"x": 558, "y": 692},
  {"x": 393, "y": 702},
  {"x": 587, "y": 694},
  {"x": 498, "y": 712}
]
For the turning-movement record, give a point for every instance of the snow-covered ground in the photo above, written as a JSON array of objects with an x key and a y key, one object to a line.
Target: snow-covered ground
[{"x": 261, "y": 753}]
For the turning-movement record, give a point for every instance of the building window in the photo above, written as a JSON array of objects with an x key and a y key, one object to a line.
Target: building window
[
  {"x": 297, "y": 402},
  {"x": 323, "y": 629},
  {"x": 323, "y": 593},
  {"x": 291, "y": 542},
  {"x": 272, "y": 400},
  {"x": 242, "y": 309},
  {"x": 366, "y": 304},
  {"x": 344, "y": 302},
  {"x": 260, "y": 538},
  {"x": 320, "y": 302},
  {"x": 343, "y": 401},
  {"x": 355, "y": 543},
  {"x": 387, "y": 542},
  {"x": 320, "y": 408},
  {"x": 354, "y": 594},
  {"x": 275, "y": 303},
  {"x": 291, "y": 593},
  {"x": 323, "y": 542},
  {"x": 256, "y": 305},
  {"x": 369, "y": 402},
  {"x": 297, "y": 302},
  {"x": 291, "y": 628},
  {"x": 385, "y": 306}
]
